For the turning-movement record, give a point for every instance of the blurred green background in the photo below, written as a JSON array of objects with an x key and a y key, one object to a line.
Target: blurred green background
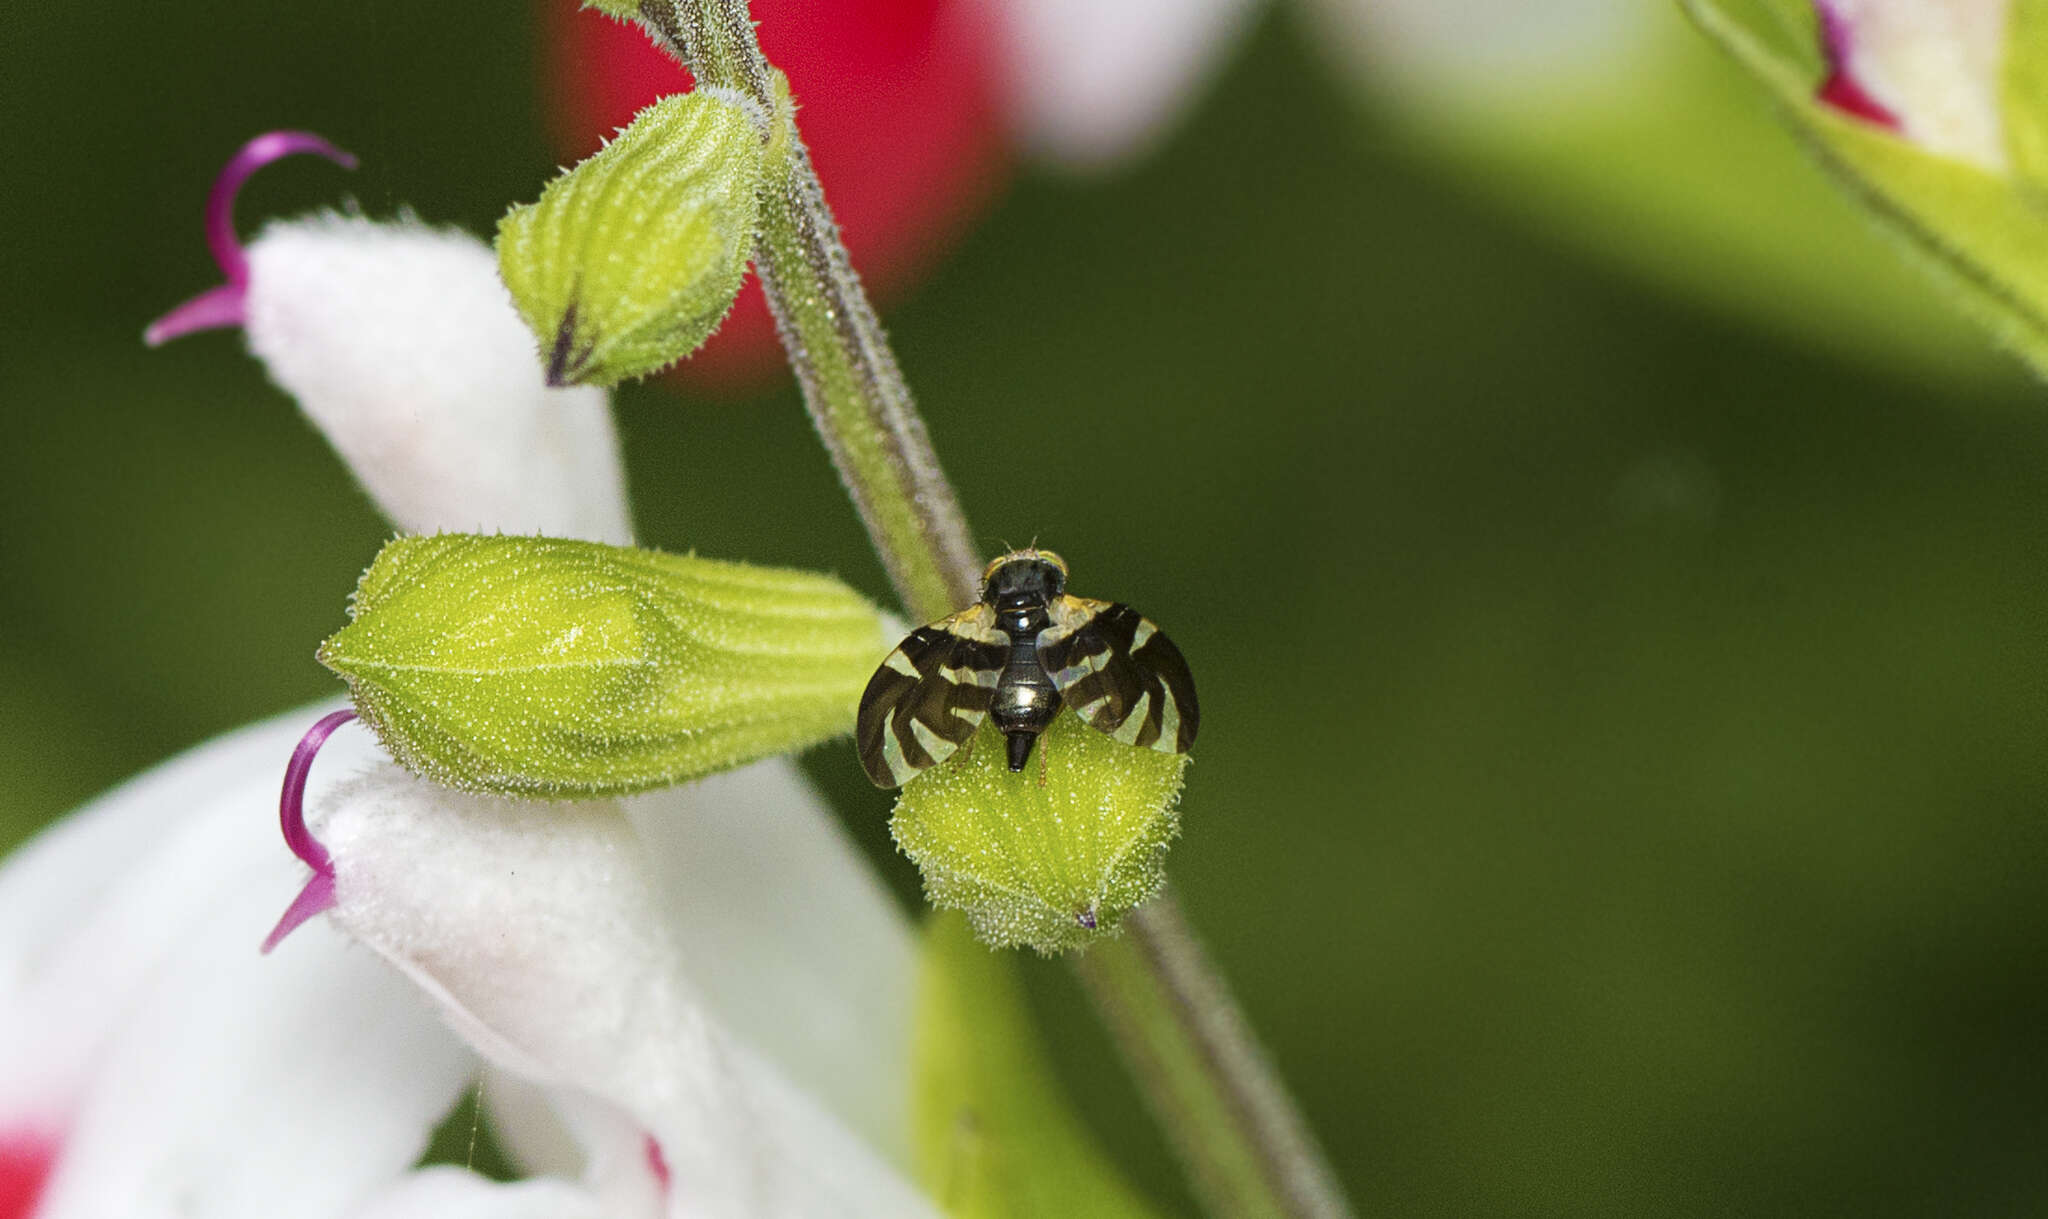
[{"x": 1621, "y": 789}]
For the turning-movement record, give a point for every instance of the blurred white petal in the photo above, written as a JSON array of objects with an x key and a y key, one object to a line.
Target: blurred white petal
[
  {"x": 181, "y": 1073},
  {"x": 527, "y": 1126},
  {"x": 401, "y": 344},
  {"x": 535, "y": 929},
  {"x": 1484, "y": 48},
  {"x": 1934, "y": 64},
  {"x": 1098, "y": 82},
  {"x": 450, "y": 1193},
  {"x": 790, "y": 936}
]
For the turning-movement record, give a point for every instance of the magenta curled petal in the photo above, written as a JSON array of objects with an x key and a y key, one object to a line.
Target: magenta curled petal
[
  {"x": 220, "y": 203},
  {"x": 318, "y": 895},
  {"x": 223, "y": 306},
  {"x": 210, "y": 310}
]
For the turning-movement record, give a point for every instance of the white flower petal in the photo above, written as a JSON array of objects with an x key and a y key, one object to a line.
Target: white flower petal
[
  {"x": 402, "y": 345},
  {"x": 527, "y": 1125},
  {"x": 1933, "y": 63},
  {"x": 1097, "y": 82},
  {"x": 790, "y": 936},
  {"x": 534, "y": 926},
  {"x": 451, "y": 1193},
  {"x": 1462, "y": 52},
  {"x": 183, "y": 1074}
]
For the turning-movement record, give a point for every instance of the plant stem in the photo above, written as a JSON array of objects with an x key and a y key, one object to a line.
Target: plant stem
[
  {"x": 855, "y": 392},
  {"x": 1207, "y": 1080},
  {"x": 1203, "y": 1073}
]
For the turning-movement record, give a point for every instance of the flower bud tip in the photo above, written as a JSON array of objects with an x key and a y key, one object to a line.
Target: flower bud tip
[
  {"x": 630, "y": 260},
  {"x": 567, "y": 358}
]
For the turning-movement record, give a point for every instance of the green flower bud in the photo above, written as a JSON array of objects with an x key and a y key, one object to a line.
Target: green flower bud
[
  {"x": 1052, "y": 856},
  {"x": 544, "y": 667},
  {"x": 630, "y": 260}
]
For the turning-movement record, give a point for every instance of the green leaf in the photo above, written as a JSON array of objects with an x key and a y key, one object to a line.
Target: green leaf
[
  {"x": 1052, "y": 856},
  {"x": 544, "y": 667},
  {"x": 995, "y": 1139},
  {"x": 630, "y": 260},
  {"x": 1981, "y": 232}
]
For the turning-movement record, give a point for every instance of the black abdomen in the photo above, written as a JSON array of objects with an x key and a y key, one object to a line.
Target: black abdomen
[{"x": 1025, "y": 702}]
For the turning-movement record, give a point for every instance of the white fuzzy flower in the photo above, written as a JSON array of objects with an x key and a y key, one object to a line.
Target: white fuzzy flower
[
  {"x": 696, "y": 1002},
  {"x": 402, "y": 347}
]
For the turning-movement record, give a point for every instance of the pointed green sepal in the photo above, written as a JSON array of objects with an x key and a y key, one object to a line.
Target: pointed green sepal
[
  {"x": 630, "y": 260},
  {"x": 1052, "y": 856},
  {"x": 544, "y": 667},
  {"x": 995, "y": 1137}
]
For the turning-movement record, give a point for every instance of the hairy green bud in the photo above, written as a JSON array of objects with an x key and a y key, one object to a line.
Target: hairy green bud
[
  {"x": 544, "y": 667},
  {"x": 630, "y": 260},
  {"x": 1052, "y": 856}
]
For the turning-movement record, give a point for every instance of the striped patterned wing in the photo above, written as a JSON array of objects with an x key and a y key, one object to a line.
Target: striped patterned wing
[
  {"x": 1120, "y": 674},
  {"x": 930, "y": 695}
]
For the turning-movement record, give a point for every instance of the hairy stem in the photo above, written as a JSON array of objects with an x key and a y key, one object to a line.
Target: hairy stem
[
  {"x": 1227, "y": 1113},
  {"x": 1209, "y": 1085},
  {"x": 855, "y": 393}
]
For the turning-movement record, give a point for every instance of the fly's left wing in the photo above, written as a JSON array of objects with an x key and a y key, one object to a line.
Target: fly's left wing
[
  {"x": 930, "y": 695},
  {"x": 1120, "y": 674}
]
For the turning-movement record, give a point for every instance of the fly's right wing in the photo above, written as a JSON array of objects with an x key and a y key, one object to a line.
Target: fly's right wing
[{"x": 1120, "y": 674}]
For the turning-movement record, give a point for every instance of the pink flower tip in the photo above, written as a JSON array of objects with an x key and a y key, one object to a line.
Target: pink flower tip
[
  {"x": 318, "y": 895},
  {"x": 26, "y": 1158},
  {"x": 1840, "y": 89},
  {"x": 222, "y": 306},
  {"x": 657, "y": 1163}
]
